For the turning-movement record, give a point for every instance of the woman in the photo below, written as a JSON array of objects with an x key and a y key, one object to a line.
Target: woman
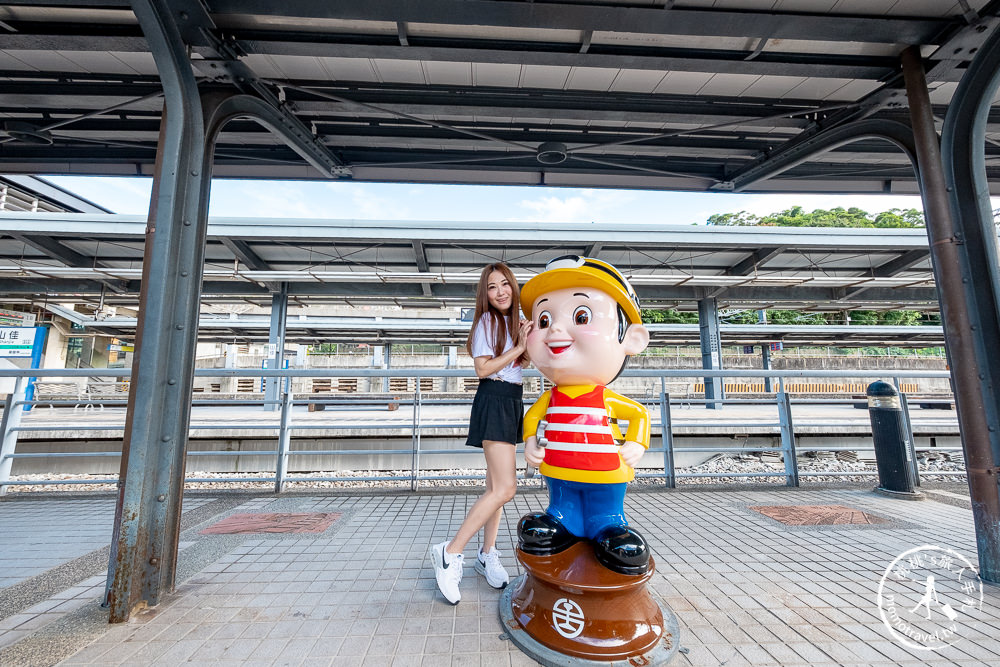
[{"x": 496, "y": 343}]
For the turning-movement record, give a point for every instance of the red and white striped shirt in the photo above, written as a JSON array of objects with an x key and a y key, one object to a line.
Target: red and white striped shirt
[{"x": 579, "y": 434}]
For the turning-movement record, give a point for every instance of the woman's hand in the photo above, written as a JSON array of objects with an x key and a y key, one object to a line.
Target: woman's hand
[{"x": 526, "y": 326}]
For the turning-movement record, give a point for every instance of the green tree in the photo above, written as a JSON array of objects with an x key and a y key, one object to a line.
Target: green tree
[
  {"x": 741, "y": 219},
  {"x": 796, "y": 216},
  {"x": 668, "y": 316},
  {"x": 796, "y": 317},
  {"x": 895, "y": 318}
]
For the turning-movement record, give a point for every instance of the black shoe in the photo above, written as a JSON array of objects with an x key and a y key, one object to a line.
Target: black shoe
[
  {"x": 541, "y": 534},
  {"x": 622, "y": 549}
]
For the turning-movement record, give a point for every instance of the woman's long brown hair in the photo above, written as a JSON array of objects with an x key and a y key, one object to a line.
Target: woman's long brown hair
[{"x": 503, "y": 324}]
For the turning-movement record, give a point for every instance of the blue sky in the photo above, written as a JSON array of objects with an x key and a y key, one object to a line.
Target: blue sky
[{"x": 404, "y": 201}]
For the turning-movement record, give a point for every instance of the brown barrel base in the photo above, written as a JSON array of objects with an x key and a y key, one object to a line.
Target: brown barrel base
[{"x": 568, "y": 609}]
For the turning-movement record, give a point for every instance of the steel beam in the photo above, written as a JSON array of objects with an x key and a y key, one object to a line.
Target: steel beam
[
  {"x": 754, "y": 261},
  {"x": 51, "y": 248},
  {"x": 602, "y": 18},
  {"x": 143, "y": 559},
  {"x": 420, "y": 258},
  {"x": 964, "y": 255},
  {"x": 283, "y": 124},
  {"x": 711, "y": 349},
  {"x": 243, "y": 252},
  {"x": 661, "y": 60},
  {"x": 900, "y": 264},
  {"x": 797, "y": 151},
  {"x": 276, "y": 337}
]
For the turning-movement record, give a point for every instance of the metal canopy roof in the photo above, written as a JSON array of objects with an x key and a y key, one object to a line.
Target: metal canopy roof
[
  {"x": 412, "y": 263},
  {"x": 752, "y": 95}
]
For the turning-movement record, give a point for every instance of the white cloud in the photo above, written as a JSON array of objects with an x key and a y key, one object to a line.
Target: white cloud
[
  {"x": 273, "y": 199},
  {"x": 584, "y": 206},
  {"x": 365, "y": 201}
]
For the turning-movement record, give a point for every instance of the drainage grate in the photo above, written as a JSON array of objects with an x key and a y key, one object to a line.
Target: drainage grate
[
  {"x": 818, "y": 515},
  {"x": 306, "y": 522}
]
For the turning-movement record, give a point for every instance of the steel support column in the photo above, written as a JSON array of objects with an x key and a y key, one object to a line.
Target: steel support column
[
  {"x": 964, "y": 256},
  {"x": 711, "y": 349},
  {"x": 386, "y": 364},
  {"x": 765, "y": 364},
  {"x": 276, "y": 337},
  {"x": 147, "y": 517},
  {"x": 765, "y": 352}
]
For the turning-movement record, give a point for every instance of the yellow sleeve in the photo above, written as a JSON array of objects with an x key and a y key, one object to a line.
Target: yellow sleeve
[
  {"x": 636, "y": 414},
  {"x": 535, "y": 414}
]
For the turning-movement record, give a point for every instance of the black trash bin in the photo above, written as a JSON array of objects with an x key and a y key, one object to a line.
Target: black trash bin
[{"x": 892, "y": 442}]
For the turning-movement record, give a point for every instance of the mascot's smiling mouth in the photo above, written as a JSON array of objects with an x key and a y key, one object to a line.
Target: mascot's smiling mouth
[{"x": 558, "y": 347}]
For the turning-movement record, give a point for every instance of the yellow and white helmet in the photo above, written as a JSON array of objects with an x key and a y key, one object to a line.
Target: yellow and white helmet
[{"x": 578, "y": 271}]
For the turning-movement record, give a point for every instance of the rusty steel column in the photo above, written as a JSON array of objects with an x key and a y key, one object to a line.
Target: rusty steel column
[
  {"x": 964, "y": 335},
  {"x": 147, "y": 519}
]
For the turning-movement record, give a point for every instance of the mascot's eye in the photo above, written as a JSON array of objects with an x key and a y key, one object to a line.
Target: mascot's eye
[
  {"x": 582, "y": 315},
  {"x": 544, "y": 320}
]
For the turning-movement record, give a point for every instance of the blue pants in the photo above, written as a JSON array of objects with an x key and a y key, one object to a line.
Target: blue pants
[{"x": 585, "y": 508}]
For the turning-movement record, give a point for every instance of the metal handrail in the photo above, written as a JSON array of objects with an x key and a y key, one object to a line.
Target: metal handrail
[{"x": 283, "y": 425}]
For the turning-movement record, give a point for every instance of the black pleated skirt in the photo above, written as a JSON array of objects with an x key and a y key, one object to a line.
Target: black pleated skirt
[{"x": 497, "y": 413}]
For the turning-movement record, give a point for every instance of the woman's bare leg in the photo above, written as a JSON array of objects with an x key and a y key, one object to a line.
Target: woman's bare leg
[{"x": 501, "y": 483}]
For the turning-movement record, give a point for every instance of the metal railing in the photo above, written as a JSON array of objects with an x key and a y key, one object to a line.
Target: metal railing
[{"x": 660, "y": 404}]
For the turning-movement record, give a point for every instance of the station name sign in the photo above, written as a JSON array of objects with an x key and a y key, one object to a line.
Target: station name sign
[{"x": 16, "y": 341}]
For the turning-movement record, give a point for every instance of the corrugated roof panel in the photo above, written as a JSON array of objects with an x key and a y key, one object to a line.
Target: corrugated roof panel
[
  {"x": 447, "y": 73},
  {"x": 729, "y": 85},
  {"x": 854, "y": 90},
  {"x": 637, "y": 81},
  {"x": 44, "y": 60},
  {"x": 308, "y": 68},
  {"x": 811, "y": 6},
  {"x": 742, "y": 44},
  {"x": 551, "y": 89},
  {"x": 773, "y": 86},
  {"x": 399, "y": 71},
  {"x": 11, "y": 61},
  {"x": 943, "y": 93},
  {"x": 544, "y": 76},
  {"x": 818, "y": 89},
  {"x": 683, "y": 83},
  {"x": 924, "y": 8},
  {"x": 496, "y": 74},
  {"x": 98, "y": 62},
  {"x": 591, "y": 78},
  {"x": 140, "y": 62},
  {"x": 350, "y": 69},
  {"x": 932, "y": 7}
]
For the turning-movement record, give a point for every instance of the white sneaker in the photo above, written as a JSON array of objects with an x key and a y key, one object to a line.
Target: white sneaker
[
  {"x": 489, "y": 565},
  {"x": 447, "y": 571}
]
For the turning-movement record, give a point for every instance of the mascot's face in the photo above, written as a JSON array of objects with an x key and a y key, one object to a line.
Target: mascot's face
[{"x": 575, "y": 337}]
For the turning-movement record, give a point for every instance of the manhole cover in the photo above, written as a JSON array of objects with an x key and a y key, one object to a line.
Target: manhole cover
[
  {"x": 818, "y": 515},
  {"x": 306, "y": 522}
]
